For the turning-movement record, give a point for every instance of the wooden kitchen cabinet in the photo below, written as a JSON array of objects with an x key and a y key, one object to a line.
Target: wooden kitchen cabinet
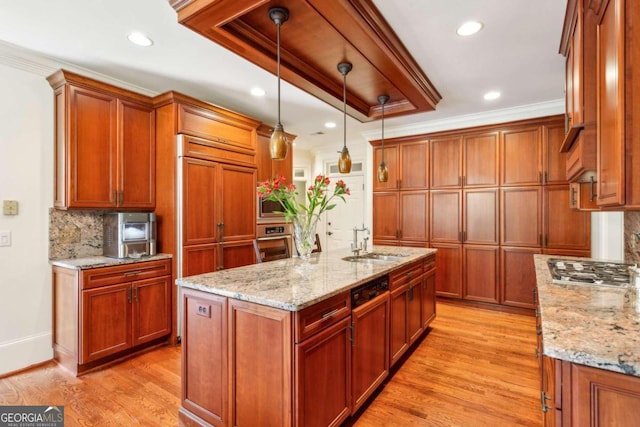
[
  {"x": 582, "y": 196},
  {"x": 101, "y": 314},
  {"x": 480, "y": 273},
  {"x": 402, "y": 217},
  {"x": 449, "y": 266},
  {"x": 370, "y": 354},
  {"x": 480, "y": 159},
  {"x": 391, "y": 159},
  {"x": 428, "y": 292},
  {"x": 517, "y": 276},
  {"x": 554, "y": 163},
  {"x": 564, "y": 228},
  {"x": 406, "y": 310},
  {"x": 446, "y": 162},
  {"x": 407, "y": 165},
  {"x": 386, "y": 219},
  {"x": 446, "y": 216},
  {"x": 104, "y": 145},
  {"x": 521, "y": 156},
  {"x": 521, "y": 219},
  {"x": 480, "y": 216}
]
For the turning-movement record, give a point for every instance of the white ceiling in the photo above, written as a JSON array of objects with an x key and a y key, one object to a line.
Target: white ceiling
[{"x": 516, "y": 53}]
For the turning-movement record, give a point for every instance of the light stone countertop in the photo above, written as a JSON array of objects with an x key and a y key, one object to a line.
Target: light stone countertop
[
  {"x": 589, "y": 324},
  {"x": 293, "y": 284},
  {"x": 103, "y": 261}
]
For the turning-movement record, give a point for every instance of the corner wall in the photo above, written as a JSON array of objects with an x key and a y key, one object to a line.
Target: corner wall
[{"x": 26, "y": 171}]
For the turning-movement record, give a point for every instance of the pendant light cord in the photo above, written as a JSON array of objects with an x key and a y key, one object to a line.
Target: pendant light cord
[
  {"x": 383, "y": 133},
  {"x": 344, "y": 107},
  {"x": 278, "y": 66}
]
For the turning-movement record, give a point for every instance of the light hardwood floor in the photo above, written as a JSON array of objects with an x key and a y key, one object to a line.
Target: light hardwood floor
[{"x": 474, "y": 368}]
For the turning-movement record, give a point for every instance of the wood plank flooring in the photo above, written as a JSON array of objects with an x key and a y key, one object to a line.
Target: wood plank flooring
[{"x": 474, "y": 368}]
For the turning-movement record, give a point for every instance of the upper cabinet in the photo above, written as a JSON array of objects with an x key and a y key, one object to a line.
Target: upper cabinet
[
  {"x": 104, "y": 145},
  {"x": 521, "y": 156}
]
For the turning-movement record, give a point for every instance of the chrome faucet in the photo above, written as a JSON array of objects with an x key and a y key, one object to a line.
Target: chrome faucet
[{"x": 356, "y": 247}]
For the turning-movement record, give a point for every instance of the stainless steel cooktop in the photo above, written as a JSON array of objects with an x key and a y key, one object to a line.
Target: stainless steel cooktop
[{"x": 589, "y": 272}]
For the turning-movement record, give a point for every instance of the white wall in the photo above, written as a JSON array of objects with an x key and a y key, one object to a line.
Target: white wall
[
  {"x": 26, "y": 172},
  {"x": 607, "y": 236}
]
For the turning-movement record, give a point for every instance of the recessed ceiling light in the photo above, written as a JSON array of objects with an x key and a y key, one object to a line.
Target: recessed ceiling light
[
  {"x": 469, "y": 28},
  {"x": 330, "y": 125},
  {"x": 489, "y": 96},
  {"x": 256, "y": 91},
  {"x": 140, "y": 39}
]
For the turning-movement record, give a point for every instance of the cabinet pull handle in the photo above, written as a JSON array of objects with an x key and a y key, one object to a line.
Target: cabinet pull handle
[
  {"x": 129, "y": 295},
  {"x": 352, "y": 338},
  {"x": 546, "y": 240},
  {"x": 540, "y": 178},
  {"x": 411, "y": 293},
  {"x": 460, "y": 236},
  {"x": 331, "y": 313},
  {"x": 540, "y": 239},
  {"x": 592, "y": 194},
  {"x": 546, "y": 177},
  {"x": 459, "y": 180},
  {"x": 135, "y": 294},
  {"x": 132, "y": 273},
  {"x": 115, "y": 197},
  {"x": 573, "y": 202},
  {"x": 121, "y": 197}
]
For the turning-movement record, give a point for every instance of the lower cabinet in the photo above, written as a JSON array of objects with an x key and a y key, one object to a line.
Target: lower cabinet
[
  {"x": 245, "y": 364},
  {"x": 579, "y": 395},
  {"x": 104, "y": 313},
  {"x": 517, "y": 276}
]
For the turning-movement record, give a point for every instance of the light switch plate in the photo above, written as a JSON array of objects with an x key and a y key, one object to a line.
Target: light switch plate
[
  {"x": 5, "y": 238},
  {"x": 10, "y": 207}
]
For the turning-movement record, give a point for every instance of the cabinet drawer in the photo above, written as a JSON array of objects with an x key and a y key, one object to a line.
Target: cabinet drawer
[
  {"x": 321, "y": 315},
  {"x": 207, "y": 124},
  {"x": 405, "y": 275},
  {"x": 429, "y": 263},
  {"x": 103, "y": 276}
]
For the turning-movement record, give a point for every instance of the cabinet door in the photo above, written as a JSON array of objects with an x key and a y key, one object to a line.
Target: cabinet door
[
  {"x": 521, "y": 220},
  {"x": 237, "y": 202},
  {"x": 611, "y": 104},
  {"x": 553, "y": 161},
  {"x": 137, "y": 157},
  {"x": 564, "y": 228},
  {"x": 521, "y": 156},
  {"x": 480, "y": 160},
  {"x": 198, "y": 259},
  {"x": 205, "y": 388},
  {"x": 323, "y": 377},
  {"x": 449, "y": 267},
  {"x": 414, "y": 310},
  {"x": 151, "y": 309},
  {"x": 393, "y": 165},
  {"x": 604, "y": 398},
  {"x": 370, "y": 351},
  {"x": 446, "y": 162},
  {"x": 428, "y": 295},
  {"x": 480, "y": 273},
  {"x": 106, "y": 321},
  {"x": 92, "y": 139},
  {"x": 238, "y": 254},
  {"x": 385, "y": 216},
  {"x": 414, "y": 167},
  {"x": 399, "y": 335},
  {"x": 446, "y": 216},
  {"x": 199, "y": 202},
  {"x": 480, "y": 219},
  {"x": 261, "y": 349},
  {"x": 517, "y": 276},
  {"x": 414, "y": 215}
]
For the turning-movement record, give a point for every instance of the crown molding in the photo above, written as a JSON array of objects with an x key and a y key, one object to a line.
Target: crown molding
[
  {"x": 23, "y": 59},
  {"x": 540, "y": 109}
]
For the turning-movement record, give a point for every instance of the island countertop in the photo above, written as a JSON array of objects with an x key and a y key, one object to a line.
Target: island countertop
[
  {"x": 588, "y": 324},
  {"x": 293, "y": 284}
]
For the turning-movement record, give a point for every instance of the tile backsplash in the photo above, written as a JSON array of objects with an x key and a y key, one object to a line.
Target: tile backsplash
[
  {"x": 631, "y": 242},
  {"x": 74, "y": 234}
]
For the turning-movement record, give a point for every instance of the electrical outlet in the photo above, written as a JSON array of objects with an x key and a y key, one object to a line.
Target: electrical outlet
[
  {"x": 10, "y": 207},
  {"x": 5, "y": 238}
]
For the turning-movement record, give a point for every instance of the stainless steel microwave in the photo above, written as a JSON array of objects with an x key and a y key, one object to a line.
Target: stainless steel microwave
[
  {"x": 268, "y": 208},
  {"x": 129, "y": 234}
]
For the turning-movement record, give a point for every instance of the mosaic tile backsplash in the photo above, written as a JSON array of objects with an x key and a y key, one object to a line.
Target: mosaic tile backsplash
[{"x": 74, "y": 234}]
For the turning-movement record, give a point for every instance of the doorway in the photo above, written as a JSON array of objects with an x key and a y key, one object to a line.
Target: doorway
[{"x": 339, "y": 221}]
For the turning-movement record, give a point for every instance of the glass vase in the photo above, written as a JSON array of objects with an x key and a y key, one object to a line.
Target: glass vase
[{"x": 304, "y": 233}]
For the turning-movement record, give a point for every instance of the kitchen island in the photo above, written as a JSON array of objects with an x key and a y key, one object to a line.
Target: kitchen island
[
  {"x": 589, "y": 344},
  {"x": 295, "y": 342}
]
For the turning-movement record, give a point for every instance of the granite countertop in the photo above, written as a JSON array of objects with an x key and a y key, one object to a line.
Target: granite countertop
[
  {"x": 589, "y": 324},
  {"x": 293, "y": 284},
  {"x": 103, "y": 261}
]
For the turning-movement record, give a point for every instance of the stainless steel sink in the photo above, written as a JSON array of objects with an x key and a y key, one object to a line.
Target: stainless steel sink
[{"x": 374, "y": 257}]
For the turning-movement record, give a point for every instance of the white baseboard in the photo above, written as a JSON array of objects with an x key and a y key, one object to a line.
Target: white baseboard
[{"x": 24, "y": 352}]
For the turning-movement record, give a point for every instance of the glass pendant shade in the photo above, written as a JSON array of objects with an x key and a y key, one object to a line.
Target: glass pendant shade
[
  {"x": 278, "y": 143},
  {"x": 383, "y": 172},
  {"x": 344, "y": 161}
]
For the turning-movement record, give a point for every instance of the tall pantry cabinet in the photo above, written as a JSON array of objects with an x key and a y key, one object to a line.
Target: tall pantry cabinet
[
  {"x": 495, "y": 195},
  {"x": 206, "y": 182}
]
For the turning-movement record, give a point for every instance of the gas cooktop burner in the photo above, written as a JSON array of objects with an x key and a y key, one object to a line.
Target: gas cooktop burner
[{"x": 594, "y": 272}]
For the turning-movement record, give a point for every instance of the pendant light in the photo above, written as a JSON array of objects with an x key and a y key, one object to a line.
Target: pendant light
[
  {"x": 278, "y": 142},
  {"x": 344, "y": 162},
  {"x": 383, "y": 172}
]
